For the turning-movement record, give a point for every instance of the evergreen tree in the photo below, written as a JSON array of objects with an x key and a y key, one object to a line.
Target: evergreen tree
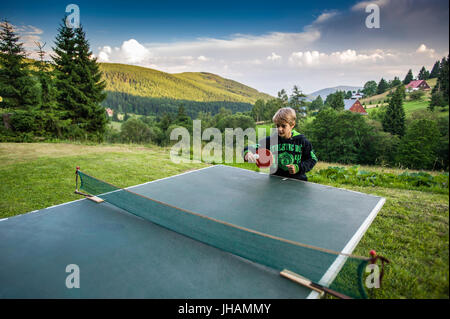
[
  {"x": 182, "y": 119},
  {"x": 91, "y": 85},
  {"x": 297, "y": 101},
  {"x": 423, "y": 74},
  {"x": 336, "y": 100},
  {"x": 65, "y": 77},
  {"x": 394, "y": 118},
  {"x": 317, "y": 104},
  {"x": 440, "y": 93},
  {"x": 348, "y": 95},
  {"x": 443, "y": 79},
  {"x": 18, "y": 89},
  {"x": 382, "y": 86},
  {"x": 395, "y": 82},
  {"x": 53, "y": 116},
  {"x": 409, "y": 77},
  {"x": 435, "y": 70},
  {"x": 79, "y": 84},
  {"x": 283, "y": 97}
]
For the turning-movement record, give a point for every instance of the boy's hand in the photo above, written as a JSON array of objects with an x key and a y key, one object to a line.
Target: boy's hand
[
  {"x": 292, "y": 168},
  {"x": 250, "y": 157}
]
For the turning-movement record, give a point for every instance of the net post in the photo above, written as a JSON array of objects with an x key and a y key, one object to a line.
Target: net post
[{"x": 76, "y": 178}]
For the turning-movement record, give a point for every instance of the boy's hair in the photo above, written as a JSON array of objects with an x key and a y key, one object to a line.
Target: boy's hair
[{"x": 285, "y": 114}]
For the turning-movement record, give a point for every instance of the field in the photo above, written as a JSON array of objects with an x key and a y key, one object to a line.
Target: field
[
  {"x": 411, "y": 229},
  {"x": 412, "y": 106}
]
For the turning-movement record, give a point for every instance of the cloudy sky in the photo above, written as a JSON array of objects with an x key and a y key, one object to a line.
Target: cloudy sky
[{"x": 268, "y": 45}]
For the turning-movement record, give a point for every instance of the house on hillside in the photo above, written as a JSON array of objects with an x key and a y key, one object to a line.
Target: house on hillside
[
  {"x": 354, "y": 106},
  {"x": 109, "y": 112},
  {"x": 417, "y": 85}
]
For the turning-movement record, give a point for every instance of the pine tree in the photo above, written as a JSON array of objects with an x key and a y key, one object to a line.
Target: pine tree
[
  {"x": 423, "y": 74},
  {"x": 79, "y": 84},
  {"x": 435, "y": 70},
  {"x": 52, "y": 115},
  {"x": 91, "y": 85},
  {"x": 317, "y": 104},
  {"x": 395, "y": 82},
  {"x": 394, "y": 118},
  {"x": 409, "y": 77},
  {"x": 283, "y": 97},
  {"x": 64, "y": 60},
  {"x": 18, "y": 89},
  {"x": 297, "y": 101},
  {"x": 382, "y": 86},
  {"x": 443, "y": 79},
  {"x": 440, "y": 93}
]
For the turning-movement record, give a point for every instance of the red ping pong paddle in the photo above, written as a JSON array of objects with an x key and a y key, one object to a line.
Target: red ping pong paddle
[{"x": 264, "y": 158}]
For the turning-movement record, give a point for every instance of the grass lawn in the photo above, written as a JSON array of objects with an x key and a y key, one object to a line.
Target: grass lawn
[{"x": 411, "y": 229}]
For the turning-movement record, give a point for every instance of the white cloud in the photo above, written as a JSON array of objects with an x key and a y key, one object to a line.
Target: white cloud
[
  {"x": 306, "y": 58},
  {"x": 203, "y": 58},
  {"x": 335, "y": 49},
  {"x": 131, "y": 52},
  {"x": 325, "y": 16},
  {"x": 423, "y": 49},
  {"x": 363, "y": 4},
  {"x": 274, "y": 57},
  {"x": 315, "y": 58},
  {"x": 134, "y": 52}
]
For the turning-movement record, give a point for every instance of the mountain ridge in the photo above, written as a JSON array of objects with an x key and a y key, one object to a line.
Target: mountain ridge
[
  {"x": 194, "y": 86},
  {"x": 326, "y": 91}
]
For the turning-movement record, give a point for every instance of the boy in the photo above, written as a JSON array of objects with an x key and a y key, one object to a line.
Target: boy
[{"x": 293, "y": 154}]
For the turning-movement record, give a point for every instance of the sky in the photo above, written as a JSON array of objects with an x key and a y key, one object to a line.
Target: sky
[{"x": 267, "y": 45}]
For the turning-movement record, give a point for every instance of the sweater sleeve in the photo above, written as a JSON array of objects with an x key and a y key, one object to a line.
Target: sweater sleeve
[{"x": 309, "y": 159}]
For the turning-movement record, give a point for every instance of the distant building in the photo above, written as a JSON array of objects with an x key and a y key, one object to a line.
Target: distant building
[
  {"x": 354, "y": 106},
  {"x": 417, "y": 85},
  {"x": 109, "y": 112},
  {"x": 357, "y": 96}
]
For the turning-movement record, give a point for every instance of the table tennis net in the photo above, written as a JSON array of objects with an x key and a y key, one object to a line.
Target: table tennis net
[{"x": 274, "y": 252}]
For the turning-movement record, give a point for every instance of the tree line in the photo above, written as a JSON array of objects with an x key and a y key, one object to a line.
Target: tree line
[
  {"x": 61, "y": 99},
  {"x": 439, "y": 94},
  {"x": 121, "y": 102},
  {"x": 385, "y": 138},
  {"x": 157, "y": 129}
]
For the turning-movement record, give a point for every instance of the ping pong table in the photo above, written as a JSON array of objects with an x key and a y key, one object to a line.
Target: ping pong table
[{"x": 120, "y": 255}]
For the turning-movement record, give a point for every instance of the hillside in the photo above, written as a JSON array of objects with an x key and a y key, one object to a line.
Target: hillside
[
  {"x": 372, "y": 101},
  {"x": 199, "y": 87}
]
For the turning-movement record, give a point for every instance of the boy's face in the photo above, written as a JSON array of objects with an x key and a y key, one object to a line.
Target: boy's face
[{"x": 284, "y": 129}]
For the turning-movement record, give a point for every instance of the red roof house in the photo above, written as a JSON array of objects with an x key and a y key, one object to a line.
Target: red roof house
[
  {"x": 354, "y": 106},
  {"x": 417, "y": 85},
  {"x": 109, "y": 112}
]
